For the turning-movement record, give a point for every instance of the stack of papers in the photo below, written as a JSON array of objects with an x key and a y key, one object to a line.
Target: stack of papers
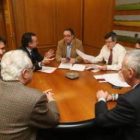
[
  {"x": 113, "y": 79},
  {"x": 77, "y": 67},
  {"x": 48, "y": 69}
]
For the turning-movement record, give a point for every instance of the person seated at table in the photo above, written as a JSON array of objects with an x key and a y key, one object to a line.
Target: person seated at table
[
  {"x": 29, "y": 45},
  {"x": 2, "y": 50},
  {"x": 23, "y": 109},
  {"x": 126, "y": 114},
  {"x": 66, "y": 49},
  {"x": 137, "y": 46},
  {"x": 112, "y": 53}
]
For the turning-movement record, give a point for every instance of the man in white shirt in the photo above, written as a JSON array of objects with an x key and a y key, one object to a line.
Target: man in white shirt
[{"x": 113, "y": 61}]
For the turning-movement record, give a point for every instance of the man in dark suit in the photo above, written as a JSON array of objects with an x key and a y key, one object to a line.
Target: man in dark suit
[
  {"x": 23, "y": 109},
  {"x": 2, "y": 50},
  {"x": 126, "y": 114},
  {"x": 29, "y": 45}
]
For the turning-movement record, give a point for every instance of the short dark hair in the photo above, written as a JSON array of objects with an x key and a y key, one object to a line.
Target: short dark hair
[
  {"x": 138, "y": 41},
  {"x": 111, "y": 34},
  {"x": 70, "y": 30},
  {"x": 27, "y": 38},
  {"x": 3, "y": 40}
]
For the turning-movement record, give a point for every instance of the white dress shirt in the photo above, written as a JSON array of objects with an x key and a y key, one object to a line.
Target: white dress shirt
[{"x": 118, "y": 55}]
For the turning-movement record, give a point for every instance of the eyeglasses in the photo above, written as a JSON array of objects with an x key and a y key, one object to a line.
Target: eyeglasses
[
  {"x": 67, "y": 36},
  {"x": 108, "y": 42}
]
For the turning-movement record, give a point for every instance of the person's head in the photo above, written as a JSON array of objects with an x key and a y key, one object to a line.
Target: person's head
[
  {"x": 131, "y": 67},
  {"x": 2, "y": 47},
  {"x": 137, "y": 46},
  {"x": 29, "y": 40},
  {"x": 68, "y": 35},
  {"x": 110, "y": 39},
  {"x": 16, "y": 65}
]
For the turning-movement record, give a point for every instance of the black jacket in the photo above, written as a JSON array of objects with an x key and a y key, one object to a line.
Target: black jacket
[{"x": 37, "y": 57}]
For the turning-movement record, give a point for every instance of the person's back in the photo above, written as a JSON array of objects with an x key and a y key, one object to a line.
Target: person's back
[{"x": 23, "y": 109}]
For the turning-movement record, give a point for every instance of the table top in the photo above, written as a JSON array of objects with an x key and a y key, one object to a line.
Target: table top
[{"x": 75, "y": 98}]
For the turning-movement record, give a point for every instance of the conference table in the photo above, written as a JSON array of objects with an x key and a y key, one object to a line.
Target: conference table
[{"x": 75, "y": 98}]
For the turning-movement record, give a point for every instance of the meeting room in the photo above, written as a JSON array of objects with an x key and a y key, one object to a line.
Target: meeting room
[{"x": 69, "y": 69}]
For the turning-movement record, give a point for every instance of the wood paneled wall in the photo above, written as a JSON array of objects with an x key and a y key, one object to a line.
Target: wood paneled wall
[
  {"x": 90, "y": 19},
  {"x": 48, "y": 19},
  {"x": 98, "y": 20},
  {"x": 2, "y": 21}
]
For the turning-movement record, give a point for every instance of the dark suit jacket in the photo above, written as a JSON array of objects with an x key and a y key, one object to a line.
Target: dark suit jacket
[
  {"x": 62, "y": 50},
  {"x": 125, "y": 115},
  {"x": 23, "y": 110},
  {"x": 37, "y": 57},
  {"x": 0, "y": 71}
]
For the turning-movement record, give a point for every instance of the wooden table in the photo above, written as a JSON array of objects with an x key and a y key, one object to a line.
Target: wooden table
[{"x": 75, "y": 98}]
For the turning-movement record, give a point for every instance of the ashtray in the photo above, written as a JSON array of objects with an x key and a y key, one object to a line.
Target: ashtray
[{"x": 72, "y": 75}]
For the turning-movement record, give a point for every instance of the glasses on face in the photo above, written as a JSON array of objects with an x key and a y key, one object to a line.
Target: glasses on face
[
  {"x": 108, "y": 42},
  {"x": 67, "y": 36}
]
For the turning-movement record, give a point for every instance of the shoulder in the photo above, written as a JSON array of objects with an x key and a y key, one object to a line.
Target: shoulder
[
  {"x": 77, "y": 41},
  {"x": 61, "y": 41},
  {"x": 119, "y": 47},
  {"x": 30, "y": 94}
]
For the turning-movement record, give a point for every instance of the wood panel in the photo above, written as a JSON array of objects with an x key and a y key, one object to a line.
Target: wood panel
[
  {"x": 2, "y": 21},
  {"x": 69, "y": 15},
  {"x": 98, "y": 20},
  {"x": 38, "y": 17}
]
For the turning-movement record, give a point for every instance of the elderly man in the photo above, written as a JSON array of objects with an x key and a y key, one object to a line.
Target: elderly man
[
  {"x": 112, "y": 53},
  {"x": 126, "y": 114},
  {"x": 29, "y": 45},
  {"x": 66, "y": 49},
  {"x": 2, "y": 50},
  {"x": 23, "y": 109}
]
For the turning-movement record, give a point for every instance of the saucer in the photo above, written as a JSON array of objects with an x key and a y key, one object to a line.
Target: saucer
[{"x": 72, "y": 75}]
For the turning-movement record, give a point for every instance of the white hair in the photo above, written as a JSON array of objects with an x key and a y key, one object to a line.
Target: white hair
[
  {"x": 133, "y": 61},
  {"x": 12, "y": 64}
]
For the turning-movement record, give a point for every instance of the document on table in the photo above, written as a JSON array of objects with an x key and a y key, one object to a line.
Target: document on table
[
  {"x": 115, "y": 80},
  {"x": 65, "y": 65},
  {"x": 84, "y": 56},
  {"x": 48, "y": 69},
  {"x": 100, "y": 78},
  {"x": 78, "y": 67},
  {"x": 93, "y": 68}
]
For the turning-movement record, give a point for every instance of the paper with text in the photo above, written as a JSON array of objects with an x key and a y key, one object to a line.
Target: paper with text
[
  {"x": 78, "y": 67},
  {"x": 48, "y": 69},
  {"x": 65, "y": 65},
  {"x": 84, "y": 56},
  {"x": 115, "y": 79}
]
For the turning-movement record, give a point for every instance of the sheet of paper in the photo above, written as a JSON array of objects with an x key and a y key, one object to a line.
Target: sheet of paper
[
  {"x": 115, "y": 79},
  {"x": 93, "y": 68},
  {"x": 48, "y": 69},
  {"x": 78, "y": 67},
  {"x": 65, "y": 66},
  {"x": 100, "y": 78},
  {"x": 84, "y": 56}
]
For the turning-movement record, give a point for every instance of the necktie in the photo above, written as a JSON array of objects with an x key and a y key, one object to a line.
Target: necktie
[{"x": 110, "y": 58}]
